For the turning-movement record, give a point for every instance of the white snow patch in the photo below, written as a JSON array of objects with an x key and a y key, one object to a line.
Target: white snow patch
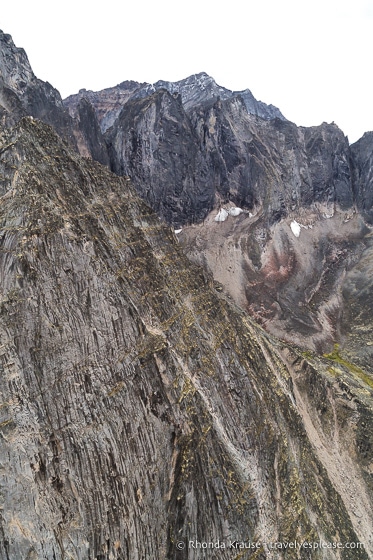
[
  {"x": 221, "y": 216},
  {"x": 178, "y": 230},
  {"x": 295, "y": 228},
  {"x": 235, "y": 211}
]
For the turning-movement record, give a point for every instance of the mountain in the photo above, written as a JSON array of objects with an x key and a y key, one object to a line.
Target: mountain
[
  {"x": 218, "y": 153},
  {"x": 143, "y": 411},
  {"x": 155, "y": 135},
  {"x": 190, "y": 145},
  {"x": 140, "y": 406}
]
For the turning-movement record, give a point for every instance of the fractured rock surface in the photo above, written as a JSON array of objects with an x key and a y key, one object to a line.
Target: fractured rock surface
[{"x": 140, "y": 407}]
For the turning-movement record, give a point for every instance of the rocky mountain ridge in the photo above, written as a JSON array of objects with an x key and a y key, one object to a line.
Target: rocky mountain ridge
[
  {"x": 141, "y": 408},
  {"x": 193, "y": 90},
  {"x": 233, "y": 150}
]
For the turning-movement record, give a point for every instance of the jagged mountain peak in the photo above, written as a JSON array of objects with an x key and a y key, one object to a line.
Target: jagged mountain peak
[
  {"x": 22, "y": 93},
  {"x": 15, "y": 68},
  {"x": 201, "y": 81},
  {"x": 16, "y": 74},
  {"x": 200, "y": 78},
  {"x": 195, "y": 90}
]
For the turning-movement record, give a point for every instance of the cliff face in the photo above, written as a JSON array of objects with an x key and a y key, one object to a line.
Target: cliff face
[
  {"x": 154, "y": 142},
  {"x": 218, "y": 153},
  {"x": 362, "y": 158},
  {"x": 140, "y": 407}
]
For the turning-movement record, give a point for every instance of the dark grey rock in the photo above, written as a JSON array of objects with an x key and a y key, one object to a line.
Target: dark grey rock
[
  {"x": 362, "y": 160},
  {"x": 216, "y": 152},
  {"x": 89, "y": 128},
  {"x": 154, "y": 143}
]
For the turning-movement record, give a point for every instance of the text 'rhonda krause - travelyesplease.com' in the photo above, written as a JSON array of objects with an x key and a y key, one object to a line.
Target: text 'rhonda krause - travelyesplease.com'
[{"x": 257, "y": 545}]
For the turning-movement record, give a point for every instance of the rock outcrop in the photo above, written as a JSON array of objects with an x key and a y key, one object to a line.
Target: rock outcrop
[
  {"x": 141, "y": 410},
  {"x": 21, "y": 93}
]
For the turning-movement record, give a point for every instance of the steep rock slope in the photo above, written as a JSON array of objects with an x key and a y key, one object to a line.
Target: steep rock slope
[{"x": 139, "y": 407}]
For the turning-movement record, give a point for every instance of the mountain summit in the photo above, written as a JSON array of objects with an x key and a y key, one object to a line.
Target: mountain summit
[
  {"x": 194, "y": 90},
  {"x": 201, "y": 87}
]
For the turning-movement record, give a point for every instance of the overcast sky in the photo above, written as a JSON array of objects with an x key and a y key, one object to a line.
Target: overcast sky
[{"x": 313, "y": 60}]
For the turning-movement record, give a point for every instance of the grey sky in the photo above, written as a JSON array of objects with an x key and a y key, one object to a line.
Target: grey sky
[{"x": 311, "y": 59}]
